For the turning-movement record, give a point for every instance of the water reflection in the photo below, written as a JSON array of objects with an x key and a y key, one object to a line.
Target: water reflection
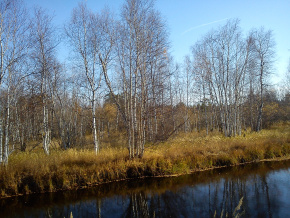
[{"x": 261, "y": 189}]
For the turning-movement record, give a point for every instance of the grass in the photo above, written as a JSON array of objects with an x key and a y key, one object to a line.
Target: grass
[{"x": 34, "y": 171}]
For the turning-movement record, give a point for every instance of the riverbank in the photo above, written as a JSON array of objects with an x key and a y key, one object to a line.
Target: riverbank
[
  {"x": 226, "y": 187},
  {"x": 36, "y": 172}
]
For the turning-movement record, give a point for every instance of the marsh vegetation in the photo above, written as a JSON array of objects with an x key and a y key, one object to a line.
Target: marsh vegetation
[{"x": 30, "y": 172}]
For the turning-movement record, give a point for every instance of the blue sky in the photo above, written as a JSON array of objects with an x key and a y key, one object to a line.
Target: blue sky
[{"x": 189, "y": 20}]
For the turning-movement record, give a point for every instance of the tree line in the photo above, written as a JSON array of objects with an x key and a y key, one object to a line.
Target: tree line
[{"x": 122, "y": 86}]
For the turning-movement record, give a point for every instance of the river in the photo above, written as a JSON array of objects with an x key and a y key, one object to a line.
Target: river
[{"x": 254, "y": 190}]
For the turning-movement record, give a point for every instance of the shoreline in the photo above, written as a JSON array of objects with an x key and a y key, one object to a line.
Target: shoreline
[
  {"x": 286, "y": 158},
  {"x": 88, "y": 186},
  {"x": 72, "y": 169}
]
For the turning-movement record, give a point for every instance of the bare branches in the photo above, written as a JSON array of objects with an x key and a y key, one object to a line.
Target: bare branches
[{"x": 223, "y": 60}]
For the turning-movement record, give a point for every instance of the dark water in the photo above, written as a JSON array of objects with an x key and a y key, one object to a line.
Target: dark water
[{"x": 263, "y": 190}]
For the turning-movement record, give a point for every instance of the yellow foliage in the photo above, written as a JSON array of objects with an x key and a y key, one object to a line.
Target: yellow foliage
[
  {"x": 270, "y": 109},
  {"x": 110, "y": 112}
]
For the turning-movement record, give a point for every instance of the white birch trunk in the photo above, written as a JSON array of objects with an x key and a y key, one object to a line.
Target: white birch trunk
[
  {"x": 95, "y": 136},
  {"x": 46, "y": 132},
  {"x": 6, "y": 145}
]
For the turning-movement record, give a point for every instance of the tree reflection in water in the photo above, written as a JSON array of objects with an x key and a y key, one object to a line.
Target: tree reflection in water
[
  {"x": 218, "y": 199},
  {"x": 263, "y": 188}
]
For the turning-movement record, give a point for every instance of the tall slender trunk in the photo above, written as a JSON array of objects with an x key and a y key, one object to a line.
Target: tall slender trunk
[
  {"x": 6, "y": 145},
  {"x": 259, "y": 120},
  {"x": 127, "y": 101},
  {"x": 171, "y": 104},
  {"x": 46, "y": 134},
  {"x": 155, "y": 115},
  {"x": 187, "y": 124},
  {"x": 198, "y": 118},
  {"x": 61, "y": 127},
  {"x": 135, "y": 126},
  {"x": 142, "y": 132},
  {"x": 96, "y": 144},
  {"x": 131, "y": 117},
  {"x": 235, "y": 119},
  {"x": 46, "y": 131},
  {"x": 205, "y": 111},
  {"x": 162, "y": 111},
  {"x": 251, "y": 106}
]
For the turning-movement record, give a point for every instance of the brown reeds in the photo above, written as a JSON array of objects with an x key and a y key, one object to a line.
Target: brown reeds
[{"x": 30, "y": 172}]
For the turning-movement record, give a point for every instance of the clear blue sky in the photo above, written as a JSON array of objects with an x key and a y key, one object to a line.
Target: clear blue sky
[{"x": 189, "y": 20}]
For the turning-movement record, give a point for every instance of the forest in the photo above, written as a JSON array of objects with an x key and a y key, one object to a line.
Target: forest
[{"x": 121, "y": 90}]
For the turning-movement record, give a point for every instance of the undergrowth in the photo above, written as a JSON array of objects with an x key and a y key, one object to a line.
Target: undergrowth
[{"x": 30, "y": 172}]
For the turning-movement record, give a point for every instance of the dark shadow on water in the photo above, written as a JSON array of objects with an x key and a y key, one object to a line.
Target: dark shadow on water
[{"x": 262, "y": 190}]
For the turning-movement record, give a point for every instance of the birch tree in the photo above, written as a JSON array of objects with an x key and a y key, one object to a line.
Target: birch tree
[
  {"x": 141, "y": 48},
  {"x": 263, "y": 48},
  {"x": 44, "y": 41},
  {"x": 221, "y": 60},
  {"x": 91, "y": 36},
  {"x": 13, "y": 48},
  {"x": 188, "y": 71}
]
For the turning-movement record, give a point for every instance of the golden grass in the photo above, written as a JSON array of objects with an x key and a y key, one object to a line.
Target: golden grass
[{"x": 185, "y": 153}]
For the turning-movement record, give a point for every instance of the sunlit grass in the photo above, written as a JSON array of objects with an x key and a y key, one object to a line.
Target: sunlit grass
[{"x": 34, "y": 171}]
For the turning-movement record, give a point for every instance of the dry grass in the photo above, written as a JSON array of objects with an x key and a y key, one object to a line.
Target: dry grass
[
  {"x": 197, "y": 151},
  {"x": 36, "y": 172}
]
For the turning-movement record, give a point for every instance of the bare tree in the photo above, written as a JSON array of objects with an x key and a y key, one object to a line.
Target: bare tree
[
  {"x": 188, "y": 70},
  {"x": 13, "y": 48},
  {"x": 220, "y": 62},
  {"x": 141, "y": 49},
  {"x": 92, "y": 38},
  {"x": 44, "y": 41},
  {"x": 78, "y": 31},
  {"x": 263, "y": 48}
]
